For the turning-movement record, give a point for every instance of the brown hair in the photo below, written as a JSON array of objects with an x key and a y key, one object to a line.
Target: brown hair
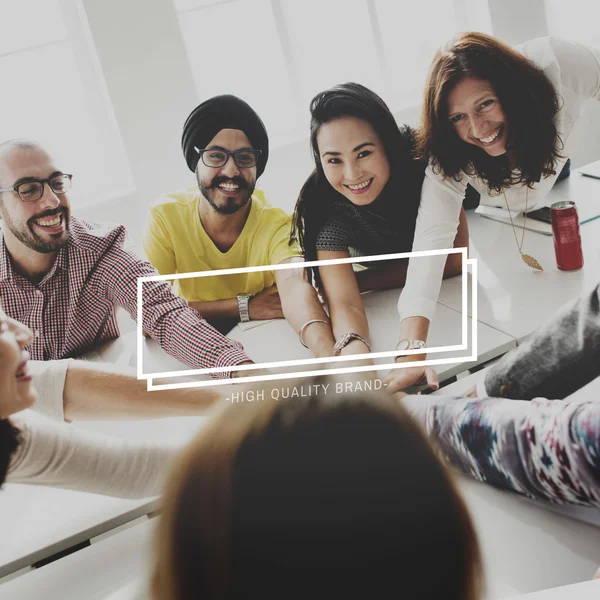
[
  {"x": 10, "y": 438},
  {"x": 340, "y": 493},
  {"x": 528, "y": 100}
]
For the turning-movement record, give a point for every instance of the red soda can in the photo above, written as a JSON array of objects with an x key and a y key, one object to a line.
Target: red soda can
[{"x": 567, "y": 239}]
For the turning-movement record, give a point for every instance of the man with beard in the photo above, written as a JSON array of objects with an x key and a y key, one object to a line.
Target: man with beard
[
  {"x": 64, "y": 277},
  {"x": 225, "y": 223}
]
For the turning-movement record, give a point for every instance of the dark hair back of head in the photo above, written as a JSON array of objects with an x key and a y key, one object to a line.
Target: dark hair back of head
[
  {"x": 528, "y": 99},
  {"x": 9, "y": 441},
  {"x": 333, "y": 495},
  {"x": 316, "y": 197}
]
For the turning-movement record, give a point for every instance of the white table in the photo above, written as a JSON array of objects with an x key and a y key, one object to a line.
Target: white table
[
  {"x": 588, "y": 590},
  {"x": 93, "y": 573},
  {"x": 512, "y": 297},
  {"x": 526, "y": 548},
  {"x": 37, "y": 522}
]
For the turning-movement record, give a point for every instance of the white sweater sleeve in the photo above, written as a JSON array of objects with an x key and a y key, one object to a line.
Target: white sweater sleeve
[
  {"x": 49, "y": 381},
  {"x": 436, "y": 227},
  {"x": 437, "y": 223},
  {"x": 60, "y": 455}
]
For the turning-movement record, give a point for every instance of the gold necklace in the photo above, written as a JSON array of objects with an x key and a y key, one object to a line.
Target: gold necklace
[{"x": 528, "y": 260}]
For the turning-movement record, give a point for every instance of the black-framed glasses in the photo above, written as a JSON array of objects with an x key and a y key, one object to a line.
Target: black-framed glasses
[
  {"x": 215, "y": 157},
  {"x": 30, "y": 191}
]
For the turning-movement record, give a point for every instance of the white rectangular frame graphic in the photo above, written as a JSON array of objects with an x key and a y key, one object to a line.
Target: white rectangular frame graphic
[{"x": 308, "y": 361}]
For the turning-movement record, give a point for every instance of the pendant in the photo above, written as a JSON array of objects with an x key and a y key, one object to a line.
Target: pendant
[{"x": 531, "y": 262}]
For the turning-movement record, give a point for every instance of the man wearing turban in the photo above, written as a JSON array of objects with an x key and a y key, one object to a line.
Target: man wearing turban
[{"x": 223, "y": 222}]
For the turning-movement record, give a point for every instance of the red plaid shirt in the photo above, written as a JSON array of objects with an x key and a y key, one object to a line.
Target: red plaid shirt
[{"x": 73, "y": 309}]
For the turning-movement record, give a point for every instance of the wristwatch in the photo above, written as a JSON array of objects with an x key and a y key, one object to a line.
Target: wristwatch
[
  {"x": 410, "y": 345},
  {"x": 243, "y": 300},
  {"x": 346, "y": 339}
]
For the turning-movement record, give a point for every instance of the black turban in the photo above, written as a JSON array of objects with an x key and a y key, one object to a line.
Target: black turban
[{"x": 223, "y": 112}]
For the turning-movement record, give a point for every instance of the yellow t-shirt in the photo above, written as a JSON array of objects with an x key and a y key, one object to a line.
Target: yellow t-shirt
[{"x": 175, "y": 242}]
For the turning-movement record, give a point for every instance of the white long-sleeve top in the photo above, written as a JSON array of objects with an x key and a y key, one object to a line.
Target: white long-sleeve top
[
  {"x": 574, "y": 71},
  {"x": 60, "y": 455}
]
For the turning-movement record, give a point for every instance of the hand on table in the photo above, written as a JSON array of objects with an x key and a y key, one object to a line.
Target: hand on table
[
  {"x": 265, "y": 305},
  {"x": 250, "y": 372},
  {"x": 400, "y": 379}
]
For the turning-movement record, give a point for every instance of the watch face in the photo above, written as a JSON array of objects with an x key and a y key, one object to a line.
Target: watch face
[{"x": 402, "y": 345}]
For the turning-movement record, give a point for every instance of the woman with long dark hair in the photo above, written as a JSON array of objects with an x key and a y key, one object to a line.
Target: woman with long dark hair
[
  {"x": 499, "y": 119},
  {"x": 328, "y": 495},
  {"x": 362, "y": 199}
]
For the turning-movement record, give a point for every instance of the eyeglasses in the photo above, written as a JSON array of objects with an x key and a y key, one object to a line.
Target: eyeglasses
[
  {"x": 30, "y": 191},
  {"x": 215, "y": 158}
]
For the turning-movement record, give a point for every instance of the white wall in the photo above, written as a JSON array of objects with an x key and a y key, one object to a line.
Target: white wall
[
  {"x": 150, "y": 83},
  {"x": 515, "y": 21}
]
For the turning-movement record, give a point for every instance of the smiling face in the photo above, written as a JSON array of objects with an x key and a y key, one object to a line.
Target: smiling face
[
  {"x": 42, "y": 225},
  {"x": 353, "y": 159},
  {"x": 476, "y": 114},
  {"x": 16, "y": 391},
  {"x": 227, "y": 188}
]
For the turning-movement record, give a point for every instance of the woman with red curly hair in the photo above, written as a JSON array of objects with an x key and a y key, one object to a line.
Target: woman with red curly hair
[{"x": 499, "y": 119}]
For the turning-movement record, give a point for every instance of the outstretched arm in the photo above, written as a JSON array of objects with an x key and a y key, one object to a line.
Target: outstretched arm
[
  {"x": 416, "y": 327},
  {"x": 555, "y": 361},
  {"x": 78, "y": 390},
  {"x": 346, "y": 307},
  {"x": 179, "y": 329},
  {"x": 102, "y": 392},
  {"x": 544, "y": 449},
  {"x": 300, "y": 305},
  {"x": 60, "y": 455}
]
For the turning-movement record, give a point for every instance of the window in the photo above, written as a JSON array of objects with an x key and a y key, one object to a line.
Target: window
[
  {"x": 331, "y": 46},
  {"x": 277, "y": 54},
  {"x": 234, "y": 48},
  {"x": 408, "y": 48},
  {"x": 53, "y": 93}
]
